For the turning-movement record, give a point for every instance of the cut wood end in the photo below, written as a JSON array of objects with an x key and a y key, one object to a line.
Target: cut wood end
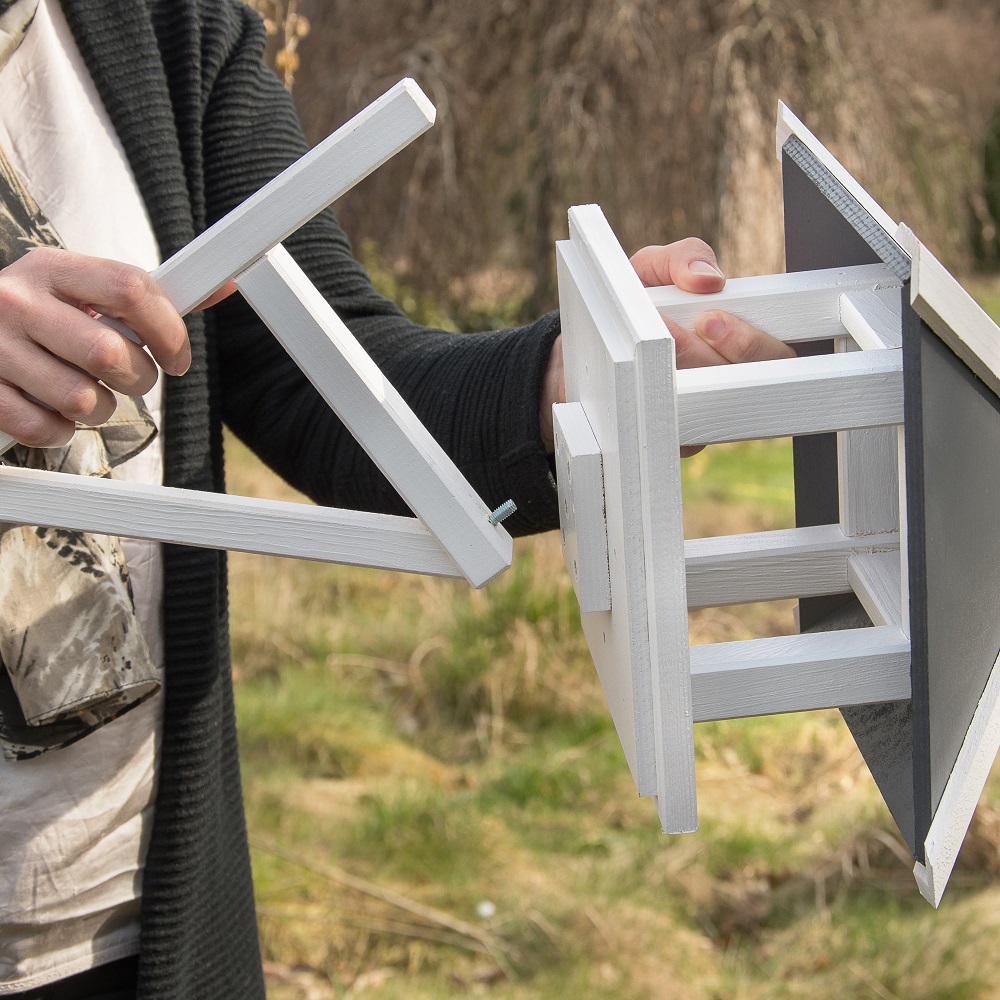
[{"x": 419, "y": 98}]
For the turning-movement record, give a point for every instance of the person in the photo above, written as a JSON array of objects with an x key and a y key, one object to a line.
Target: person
[{"x": 125, "y": 869}]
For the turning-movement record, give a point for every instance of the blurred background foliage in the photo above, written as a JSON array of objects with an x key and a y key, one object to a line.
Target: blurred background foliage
[
  {"x": 663, "y": 113},
  {"x": 437, "y": 801}
]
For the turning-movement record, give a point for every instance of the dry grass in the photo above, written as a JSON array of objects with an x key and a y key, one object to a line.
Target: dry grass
[{"x": 438, "y": 805}]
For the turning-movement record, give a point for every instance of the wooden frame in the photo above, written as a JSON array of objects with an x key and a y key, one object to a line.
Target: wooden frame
[
  {"x": 634, "y": 574},
  {"x": 454, "y": 535}
]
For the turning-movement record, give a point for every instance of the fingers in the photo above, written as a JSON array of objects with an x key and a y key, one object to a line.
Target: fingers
[
  {"x": 56, "y": 353},
  {"x": 690, "y": 264},
  {"x": 223, "y": 293},
  {"x": 736, "y": 341},
  {"x": 31, "y": 424},
  {"x": 121, "y": 291}
]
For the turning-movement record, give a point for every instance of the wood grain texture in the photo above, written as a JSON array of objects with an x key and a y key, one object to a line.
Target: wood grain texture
[
  {"x": 808, "y": 395},
  {"x": 618, "y": 642},
  {"x": 873, "y": 318},
  {"x": 216, "y": 521},
  {"x": 799, "y": 673},
  {"x": 606, "y": 316},
  {"x": 868, "y": 475},
  {"x": 374, "y": 412},
  {"x": 583, "y": 527},
  {"x": 875, "y": 579},
  {"x": 796, "y": 307},
  {"x": 290, "y": 200},
  {"x": 774, "y": 565}
]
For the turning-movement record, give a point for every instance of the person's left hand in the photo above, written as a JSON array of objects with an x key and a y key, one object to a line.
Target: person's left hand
[{"x": 718, "y": 338}]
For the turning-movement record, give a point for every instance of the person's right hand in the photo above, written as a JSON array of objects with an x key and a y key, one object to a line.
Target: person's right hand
[{"x": 54, "y": 351}]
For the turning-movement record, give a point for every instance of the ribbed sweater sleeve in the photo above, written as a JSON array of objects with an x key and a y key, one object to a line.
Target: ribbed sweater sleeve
[{"x": 478, "y": 394}]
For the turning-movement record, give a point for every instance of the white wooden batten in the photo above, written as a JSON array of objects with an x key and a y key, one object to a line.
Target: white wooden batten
[{"x": 454, "y": 535}]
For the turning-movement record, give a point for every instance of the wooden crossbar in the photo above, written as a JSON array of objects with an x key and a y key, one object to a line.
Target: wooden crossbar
[
  {"x": 796, "y": 307},
  {"x": 217, "y": 521},
  {"x": 774, "y": 565},
  {"x": 799, "y": 673},
  {"x": 809, "y": 395},
  {"x": 374, "y": 412}
]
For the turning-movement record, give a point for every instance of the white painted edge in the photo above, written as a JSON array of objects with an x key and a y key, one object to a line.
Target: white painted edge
[
  {"x": 583, "y": 526},
  {"x": 796, "y": 307},
  {"x": 790, "y": 396},
  {"x": 961, "y": 794},
  {"x": 874, "y": 577},
  {"x": 800, "y": 673},
  {"x": 789, "y": 125},
  {"x": 620, "y": 286},
  {"x": 953, "y": 314},
  {"x": 666, "y": 594},
  {"x": 635, "y": 324},
  {"x": 600, "y": 374},
  {"x": 297, "y": 194},
  {"x": 774, "y": 565},
  {"x": 218, "y": 521},
  {"x": 374, "y": 412},
  {"x": 874, "y": 320}
]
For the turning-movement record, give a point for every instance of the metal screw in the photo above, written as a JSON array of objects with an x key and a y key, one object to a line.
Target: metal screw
[{"x": 503, "y": 512}]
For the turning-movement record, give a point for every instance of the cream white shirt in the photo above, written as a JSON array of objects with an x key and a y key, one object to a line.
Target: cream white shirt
[{"x": 74, "y": 824}]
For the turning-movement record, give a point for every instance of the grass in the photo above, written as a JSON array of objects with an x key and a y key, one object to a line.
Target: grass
[{"x": 439, "y": 806}]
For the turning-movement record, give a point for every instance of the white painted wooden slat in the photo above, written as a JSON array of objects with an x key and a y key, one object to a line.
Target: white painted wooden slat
[
  {"x": 961, "y": 794},
  {"x": 904, "y": 555},
  {"x": 954, "y": 315},
  {"x": 297, "y": 194},
  {"x": 377, "y": 416},
  {"x": 600, "y": 374},
  {"x": 874, "y": 578},
  {"x": 795, "y": 396},
  {"x": 873, "y": 318},
  {"x": 620, "y": 366},
  {"x": 801, "y": 306},
  {"x": 662, "y": 524},
  {"x": 583, "y": 527},
  {"x": 773, "y": 565},
  {"x": 217, "y": 521},
  {"x": 868, "y": 483},
  {"x": 800, "y": 673}
]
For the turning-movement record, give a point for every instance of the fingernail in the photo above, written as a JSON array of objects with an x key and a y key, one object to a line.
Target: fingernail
[
  {"x": 703, "y": 267},
  {"x": 182, "y": 364},
  {"x": 713, "y": 329}
]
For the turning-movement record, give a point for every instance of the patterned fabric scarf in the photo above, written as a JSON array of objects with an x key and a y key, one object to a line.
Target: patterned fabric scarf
[
  {"x": 15, "y": 19},
  {"x": 73, "y": 656}
]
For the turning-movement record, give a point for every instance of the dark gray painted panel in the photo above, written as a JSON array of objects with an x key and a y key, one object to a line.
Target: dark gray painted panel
[
  {"x": 818, "y": 234},
  {"x": 953, "y": 494},
  {"x": 825, "y": 227}
]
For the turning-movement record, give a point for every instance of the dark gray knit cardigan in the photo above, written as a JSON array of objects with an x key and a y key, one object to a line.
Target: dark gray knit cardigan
[{"x": 204, "y": 125}]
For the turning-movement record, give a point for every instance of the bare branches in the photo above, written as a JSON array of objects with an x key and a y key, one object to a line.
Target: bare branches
[{"x": 663, "y": 113}]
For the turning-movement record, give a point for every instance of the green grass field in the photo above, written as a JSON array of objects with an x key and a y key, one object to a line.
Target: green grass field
[{"x": 439, "y": 806}]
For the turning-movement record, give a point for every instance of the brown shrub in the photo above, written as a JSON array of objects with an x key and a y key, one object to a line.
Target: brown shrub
[{"x": 661, "y": 112}]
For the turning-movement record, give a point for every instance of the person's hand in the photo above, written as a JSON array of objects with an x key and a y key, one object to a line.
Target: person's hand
[
  {"x": 718, "y": 338},
  {"x": 58, "y": 362}
]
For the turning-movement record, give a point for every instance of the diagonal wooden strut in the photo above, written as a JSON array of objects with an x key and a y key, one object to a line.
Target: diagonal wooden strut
[{"x": 454, "y": 535}]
